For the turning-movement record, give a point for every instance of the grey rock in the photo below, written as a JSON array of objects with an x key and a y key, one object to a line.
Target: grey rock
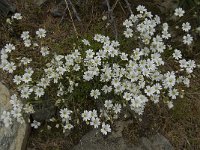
[
  {"x": 94, "y": 140},
  {"x": 44, "y": 114},
  {"x": 6, "y": 7},
  {"x": 58, "y": 10},
  {"x": 14, "y": 137},
  {"x": 40, "y": 2},
  {"x": 159, "y": 142}
]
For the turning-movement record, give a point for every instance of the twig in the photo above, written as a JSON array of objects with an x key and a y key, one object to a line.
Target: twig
[
  {"x": 74, "y": 10},
  {"x": 113, "y": 7},
  {"x": 122, "y": 7},
  {"x": 112, "y": 19},
  {"x": 70, "y": 14},
  {"x": 129, "y": 6}
]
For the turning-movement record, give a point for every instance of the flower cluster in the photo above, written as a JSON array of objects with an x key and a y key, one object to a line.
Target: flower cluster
[{"x": 108, "y": 76}]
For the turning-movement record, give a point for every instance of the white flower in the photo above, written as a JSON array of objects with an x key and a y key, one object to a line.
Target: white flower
[
  {"x": 186, "y": 26},
  {"x": 165, "y": 26},
  {"x": 88, "y": 75},
  {"x": 105, "y": 128},
  {"x": 177, "y": 54},
  {"x": 165, "y": 34},
  {"x": 170, "y": 104},
  {"x": 9, "y": 47},
  {"x": 65, "y": 113},
  {"x": 170, "y": 80},
  {"x": 108, "y": 104},
  {"x": 35, "y": 124},
  {"x": 128, "y": 33},
  {"x": 10, "y": 67},
  {"x": 17, "y": 16},
  {"x": 133, "y": 18},
  {"x": 41, "y": 32},
  {"x": 95, "y": 122},
  {"x": 26, "y": 78},
  {"x": 39, "y": 92},
  {"x": 76, "y": 67},
  {"x": 27, "y": 43},
  {"x": 127, "y": 96},
  {"x": 124, "y": 56},
  {"x": 68, "y": 126},
  {"x": 25, "y": 60},
  {"x": 127, "y": 23},
  {"x": 183, "y": 63},
  {"x": 25, "y": 92},
  {"x": 17, "y": 79},
  {"x": 25, "y": 35},
  {"x": 149, "y": 90},
  {"x": 106, "y": 89},
  {"x": 179, "y": 12},
  {"x": 44, "y": 51},
  {"x": 93, "y": 114},
  {"x": 173, "y": 93},
  {"x": 117, "y": 108},
  {"x": 44, "y": 82},
  {"x": 104, "y": 18},
  {"x": 95, "y": 93},
  {"x": 86, "y": 115},
  {"x": 86, "y": 42},
  {"x": 141, "y": 9},
  {"x": 187, "y": 39}
]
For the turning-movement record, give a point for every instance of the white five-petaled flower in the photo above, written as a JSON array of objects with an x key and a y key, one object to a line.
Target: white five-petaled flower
[
  {"x": 108, "y": 104},
  {"x": 187, "y": 39},
  {"x": 17, "y": 16},
  {"x": 41, "y": 33},
  {"x": 95, "y": 93},
  {"x": 186, "y": 26},
  {"x": 177, "y": 54},
  {"x": 35, "y": 124},
  {"x": 39, "y": 92},
  {"x": 127, "y": 23},
  {"x": 9, "y": 47},
  {"x": 105, "y": 128},
  {"x": 86, "y": 42},
  {"x": 86, "y": 115},
  {"x": 25, "y": 35},
  {"x": 173, "y": 93},
  {"x": 44, "y": 51},
  {"x": 128, "y": 33},
  {"x": 179, "y": 12},
  {"x": 95, "y": 122},
  {"x": 65, "y": 113}
]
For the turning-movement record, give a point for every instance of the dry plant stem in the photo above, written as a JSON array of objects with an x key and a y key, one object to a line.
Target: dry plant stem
[
  {"x": 122, "y": 7},
  {"x": 113, "y": 7},
  {"x": 129, "y": 6},
  {"x": 112, "y": 19},
  {"x": 74, "y": 10},
  {"x": 70, "y": 14}
]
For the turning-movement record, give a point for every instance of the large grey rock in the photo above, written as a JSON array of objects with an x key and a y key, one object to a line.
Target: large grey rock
[
  {"x": 95, "y": 141},
  {"x": 6, "y": 7},
  {"x": 14, "y": 137}
]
